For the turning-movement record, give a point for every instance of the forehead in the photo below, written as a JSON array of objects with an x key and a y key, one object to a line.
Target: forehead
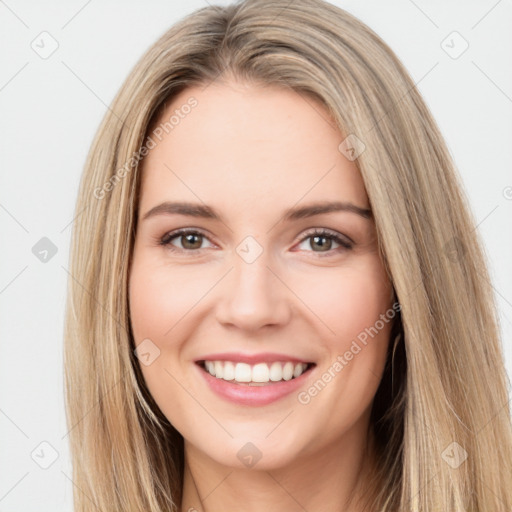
[{"x": 246, "y": 145}]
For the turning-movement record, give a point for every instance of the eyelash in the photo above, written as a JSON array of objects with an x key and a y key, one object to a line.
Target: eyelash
[{"x": 165, "y": 241}]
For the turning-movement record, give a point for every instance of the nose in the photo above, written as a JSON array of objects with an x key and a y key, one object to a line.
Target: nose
[{"x": 252, "y": 296}]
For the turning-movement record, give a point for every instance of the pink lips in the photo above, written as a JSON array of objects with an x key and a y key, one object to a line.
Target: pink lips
[{"x": 246, "y": 394}]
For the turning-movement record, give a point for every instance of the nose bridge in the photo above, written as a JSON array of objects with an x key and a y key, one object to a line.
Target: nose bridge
[{"x": 252, "y": 295}]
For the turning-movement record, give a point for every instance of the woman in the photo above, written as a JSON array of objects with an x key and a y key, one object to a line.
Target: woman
[{"x": 278, "y": 295}]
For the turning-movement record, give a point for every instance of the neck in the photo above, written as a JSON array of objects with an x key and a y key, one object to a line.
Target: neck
[{"x": 337, "y": 477}]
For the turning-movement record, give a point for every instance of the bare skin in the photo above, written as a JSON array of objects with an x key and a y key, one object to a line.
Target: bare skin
[{"x": 251, "y": 153}]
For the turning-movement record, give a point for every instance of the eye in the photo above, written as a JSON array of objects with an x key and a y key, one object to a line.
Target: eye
[
  {"x": 190, "y": 240},
  {"x": 323, "y": 240}
]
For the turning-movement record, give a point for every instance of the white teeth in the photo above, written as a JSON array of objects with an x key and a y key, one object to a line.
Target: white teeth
[
  {"x": 243, "y": 372},
  {"x": 258, "y": 373},
  {"x": 229, "y": 371},
  {"x": 210, "y": 367},
  {"x": 288, "y": 371},
  {"x": 276, "y": 372},
  {"x": 219, "y": 369}
]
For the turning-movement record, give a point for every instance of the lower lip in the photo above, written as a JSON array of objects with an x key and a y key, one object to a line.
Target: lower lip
[{"x": 244, "y": 394}]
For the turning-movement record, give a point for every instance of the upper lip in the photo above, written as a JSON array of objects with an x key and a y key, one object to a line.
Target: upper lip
[{"x": 263, "y": 357}]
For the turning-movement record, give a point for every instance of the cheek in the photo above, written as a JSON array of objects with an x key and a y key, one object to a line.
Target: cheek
[
  {"x": 352, "y": 302},
  {"x": 349, "y": 300},
  {"x": 165, "y": 307},
  {"x": 160, "y": 298},
  {"x": 159, "y": 302}
]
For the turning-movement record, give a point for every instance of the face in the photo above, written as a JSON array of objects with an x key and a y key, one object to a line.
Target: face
[{"x": 259, "y": 319}]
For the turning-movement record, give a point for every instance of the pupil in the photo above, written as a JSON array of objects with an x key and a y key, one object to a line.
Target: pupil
[
  {"x": 189, "y": 240},
  {"x": 324, "y": 246}
]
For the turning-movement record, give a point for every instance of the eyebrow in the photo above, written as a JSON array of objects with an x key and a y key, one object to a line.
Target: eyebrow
[{"x": 295, "y": 213}]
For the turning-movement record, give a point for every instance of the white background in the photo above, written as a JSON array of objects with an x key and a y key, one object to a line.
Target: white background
[{"x": 51, "y": 108}]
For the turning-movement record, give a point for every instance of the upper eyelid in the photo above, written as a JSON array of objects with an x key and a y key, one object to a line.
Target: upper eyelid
[
  {"x": 311, "y": 231},
  {"x": 184, "y": 231}
]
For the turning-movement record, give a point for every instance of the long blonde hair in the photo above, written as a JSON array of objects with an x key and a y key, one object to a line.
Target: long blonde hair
[{"x": 443, "y": 396}]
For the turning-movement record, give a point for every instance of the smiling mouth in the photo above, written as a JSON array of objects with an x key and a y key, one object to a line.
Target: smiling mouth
[{"x": 260, "y": 374}]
